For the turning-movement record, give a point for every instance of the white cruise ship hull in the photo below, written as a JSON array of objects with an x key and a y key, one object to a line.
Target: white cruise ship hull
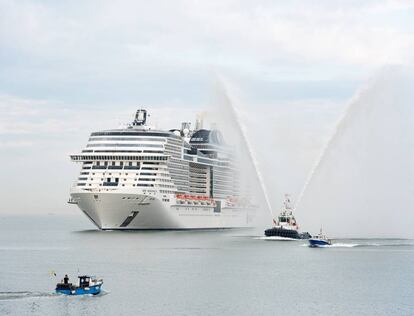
[
  {"x": 132, "y": 211},
  {"x": 142, "y": 178}
]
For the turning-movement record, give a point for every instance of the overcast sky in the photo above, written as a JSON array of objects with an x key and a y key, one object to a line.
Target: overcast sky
[{"x": 69, "y": 68}]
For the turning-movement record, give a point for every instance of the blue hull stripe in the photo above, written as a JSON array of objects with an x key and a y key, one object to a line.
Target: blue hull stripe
[
  {"x": 313, "y": 242},
  {"x": 81, "y": 291}
]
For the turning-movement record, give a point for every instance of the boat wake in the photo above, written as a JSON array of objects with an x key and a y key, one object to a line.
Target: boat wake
[
  {"x": 24, "y": 294},
  {"x": 407, "y": 243},
  {"x": 270, "y": 238},
  {"x": 10, "y": 295},
  {"x": 103, "y": 293},
  {"x": 340, "y": 245},
  {"x": 334, "y": 245}
]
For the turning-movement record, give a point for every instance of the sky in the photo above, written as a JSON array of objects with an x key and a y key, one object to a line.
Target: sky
[{"x": 70, "y": 68}]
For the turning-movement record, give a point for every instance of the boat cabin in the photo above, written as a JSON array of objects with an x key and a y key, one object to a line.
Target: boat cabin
[
  {"x": 84, "y": 280},
  {"x": 286, "y": 218}
]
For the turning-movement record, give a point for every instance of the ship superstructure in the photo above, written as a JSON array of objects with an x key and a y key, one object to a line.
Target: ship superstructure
[{"x": 139, "y": 178}]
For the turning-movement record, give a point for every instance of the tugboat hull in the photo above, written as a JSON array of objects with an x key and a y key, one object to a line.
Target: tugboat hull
[{"x": 286, "y": 233}]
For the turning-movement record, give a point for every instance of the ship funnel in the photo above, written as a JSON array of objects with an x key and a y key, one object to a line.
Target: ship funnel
[
  {"x": 199, "y": 122},
  {"x": 140, "y": 118}
]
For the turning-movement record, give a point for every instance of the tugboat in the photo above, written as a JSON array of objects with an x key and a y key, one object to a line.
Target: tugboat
[
  {"x": 319, "y": 240},
  {"x": 286, "y": 227},
  {"x": 87, "y": 285}
]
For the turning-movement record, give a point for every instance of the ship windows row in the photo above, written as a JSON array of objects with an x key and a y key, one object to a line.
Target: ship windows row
[
  {"x": 127, "y": 138},
  {"x": 167, "y": 191},
  {"x": 94, "y": 158},
  {"x": 81, "y": 184},
  {"x": 147, "y": 151},
  {"x": 124, "y": 145},
  {"x": 116, "y": 165},
  {"x": 133, "y": 133}
]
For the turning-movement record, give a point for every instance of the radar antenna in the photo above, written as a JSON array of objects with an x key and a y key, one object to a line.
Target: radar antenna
[{"x": 140, "y": 118}]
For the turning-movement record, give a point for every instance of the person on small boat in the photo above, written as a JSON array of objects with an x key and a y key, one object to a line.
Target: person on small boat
[{"x": 66, "y": 279}]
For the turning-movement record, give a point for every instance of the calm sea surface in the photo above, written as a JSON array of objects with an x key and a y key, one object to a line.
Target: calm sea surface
[{"x": 232, "y": 272}]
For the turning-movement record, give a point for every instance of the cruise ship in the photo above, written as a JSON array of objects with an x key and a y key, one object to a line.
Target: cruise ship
[{"x": 141, "y": 178}]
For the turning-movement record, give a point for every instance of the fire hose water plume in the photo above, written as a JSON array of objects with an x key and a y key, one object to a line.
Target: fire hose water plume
[
  {"x": 366, "y": 169},
  {"x": 334, "y": 135},
  {"x": 223, "y": 95}
]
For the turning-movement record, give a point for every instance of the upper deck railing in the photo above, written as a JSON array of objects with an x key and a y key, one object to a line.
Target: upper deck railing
[{"x": 89, "y": 157}]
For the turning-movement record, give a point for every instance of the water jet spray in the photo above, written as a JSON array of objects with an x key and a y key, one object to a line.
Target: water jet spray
[{"x": 223, "y": 92}]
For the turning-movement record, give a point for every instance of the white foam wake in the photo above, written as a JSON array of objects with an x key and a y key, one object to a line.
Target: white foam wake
[
  {"x": 24, "y": 294},
  {"x": 275, "y": 238},
  {"x": 341, "y": 245}
]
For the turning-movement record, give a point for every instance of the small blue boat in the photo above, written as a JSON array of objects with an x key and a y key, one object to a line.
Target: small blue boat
[
  {"x": 87, "y": 285},
  {"x": 319, "y": 240}
]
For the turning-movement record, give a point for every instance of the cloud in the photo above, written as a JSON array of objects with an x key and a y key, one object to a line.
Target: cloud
[
  {"x": 5, "y": 145},
  {"x": 25, "y": 122},
  {"x": 232, "y": 34},
  {"x": 102, "y": 52}
]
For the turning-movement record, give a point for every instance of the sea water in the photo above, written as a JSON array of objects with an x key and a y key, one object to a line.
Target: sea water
[{"x": 225, "y": 272}]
